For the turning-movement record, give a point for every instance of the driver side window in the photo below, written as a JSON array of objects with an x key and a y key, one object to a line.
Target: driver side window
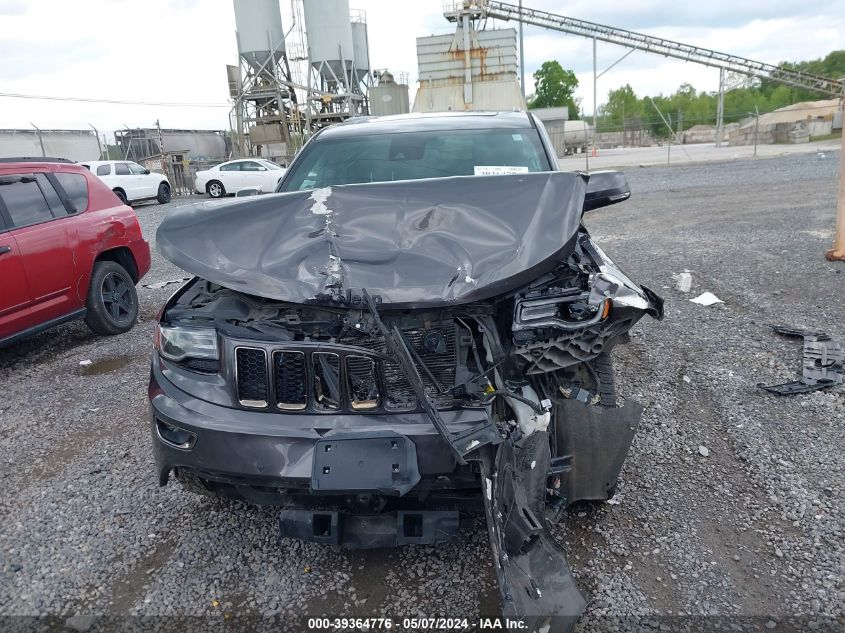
[{"x": 136, "y": 169}]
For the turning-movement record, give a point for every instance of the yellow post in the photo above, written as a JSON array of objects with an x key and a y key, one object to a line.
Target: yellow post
[{"x": 837, "y": 253}]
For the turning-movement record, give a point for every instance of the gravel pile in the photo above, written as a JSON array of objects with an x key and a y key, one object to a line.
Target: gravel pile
[{"x": 730, "y": 506}]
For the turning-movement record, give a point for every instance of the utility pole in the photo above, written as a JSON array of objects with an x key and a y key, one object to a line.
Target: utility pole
[
  {"x": 521, "y": 56},
  {"x": 161, "y": 150},
  {"x": 720, "y": 108},
  {"x": 756, "y": 128},
  {"x": 595, "y": 99},
  {"x": 837, "y": 253},
  {"x": 669, "y": 146}
]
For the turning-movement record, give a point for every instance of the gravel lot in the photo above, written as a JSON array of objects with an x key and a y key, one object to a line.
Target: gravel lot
[{"x": 747, "y": 532}]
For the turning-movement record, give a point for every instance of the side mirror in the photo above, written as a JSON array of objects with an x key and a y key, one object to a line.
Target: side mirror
[
  {"x": 243, "y": 193},
  {"x": 605, "y": 188},
  {"x": 146, "y": 172}
]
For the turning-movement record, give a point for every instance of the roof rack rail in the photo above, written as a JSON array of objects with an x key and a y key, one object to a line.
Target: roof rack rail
[{"x": 34, "y": 159}]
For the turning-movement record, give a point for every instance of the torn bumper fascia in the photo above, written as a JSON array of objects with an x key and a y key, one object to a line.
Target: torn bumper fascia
[
  {"x": 592, "y": 443},
  {"x": 535, "y": 582}
]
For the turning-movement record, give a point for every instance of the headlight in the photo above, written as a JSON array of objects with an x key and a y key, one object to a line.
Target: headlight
[{"x": 179, "y": 343}]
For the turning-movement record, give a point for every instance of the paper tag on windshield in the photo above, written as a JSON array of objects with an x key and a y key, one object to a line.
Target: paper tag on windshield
[{"x": 499, "y": 170}]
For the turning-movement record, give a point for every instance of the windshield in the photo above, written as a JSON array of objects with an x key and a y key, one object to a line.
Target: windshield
[{"x": 415, "y": 155}]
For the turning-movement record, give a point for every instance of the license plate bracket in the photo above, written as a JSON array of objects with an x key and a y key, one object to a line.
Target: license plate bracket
[{"x": 380, "y": 462}]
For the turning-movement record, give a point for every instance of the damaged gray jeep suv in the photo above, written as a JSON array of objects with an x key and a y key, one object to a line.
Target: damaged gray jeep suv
[{"x": 416, "y": 325}]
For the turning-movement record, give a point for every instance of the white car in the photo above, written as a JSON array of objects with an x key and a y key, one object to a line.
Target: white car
[
  {"x": 245, "y": 173},
  {"x": 129, "y": 181}
]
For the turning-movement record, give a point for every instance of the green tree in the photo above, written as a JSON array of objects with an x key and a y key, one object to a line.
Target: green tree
[
  {"x": 622, "y": 104},
  {"x": 554, "y": 87}
]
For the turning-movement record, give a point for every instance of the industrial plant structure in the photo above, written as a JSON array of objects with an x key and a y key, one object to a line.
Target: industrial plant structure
[
  {"x": 138, "y": 144},
  {"x": 70, "y": 144},
  {"x": 470, "y": 69},
  {"x": 288, "y": 85},
  {"x": 389, "y": 96}
]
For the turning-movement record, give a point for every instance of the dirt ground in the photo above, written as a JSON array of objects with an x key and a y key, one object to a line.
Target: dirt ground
[{"x": 729, "y": 511}]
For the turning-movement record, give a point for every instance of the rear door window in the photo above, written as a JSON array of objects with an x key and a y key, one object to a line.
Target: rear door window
[
  {"x": 121, "y": 169},
  {"x": 76, "y": 188},
  {"x": 24, "y": 200},
  {"x": 103, "y": 170}
]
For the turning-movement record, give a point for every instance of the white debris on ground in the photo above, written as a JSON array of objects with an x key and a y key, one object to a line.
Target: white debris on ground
[{"x": 706, "y": 299}]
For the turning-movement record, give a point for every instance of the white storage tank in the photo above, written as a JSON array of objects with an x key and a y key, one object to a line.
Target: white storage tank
[
  {"x": 389, "y": 97},
  {"x": 260, "y": 34},
  {"x": 360, "y": 45},
  {"x": 329, "y": 36}
]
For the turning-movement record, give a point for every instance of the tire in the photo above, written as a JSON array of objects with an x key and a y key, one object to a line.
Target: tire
[
  {"x": 121, "y": 196},
  {"x": 163, "y": 193},
  {"x": 215, "y": 189},
  {"x": 112, "y": 300}
]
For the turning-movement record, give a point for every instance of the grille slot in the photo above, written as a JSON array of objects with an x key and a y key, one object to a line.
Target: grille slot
[
  {"x": 327, "y": 386},
  {"x": 362, "y": 385},
  {"x": 290, "y": 380},
  {"x": 251, "y": 376}
]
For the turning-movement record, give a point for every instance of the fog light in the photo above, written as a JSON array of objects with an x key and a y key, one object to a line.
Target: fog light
[{"x": 174, "y": 436}]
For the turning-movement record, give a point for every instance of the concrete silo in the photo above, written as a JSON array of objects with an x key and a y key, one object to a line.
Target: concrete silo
[
  {"x": 339, "y": 61},
  {"x": 360, "y": 45},
  {"x": 259, "y": 30},
  {"x": 329, "y": 33},
  {"x": 264, "y": 115}
]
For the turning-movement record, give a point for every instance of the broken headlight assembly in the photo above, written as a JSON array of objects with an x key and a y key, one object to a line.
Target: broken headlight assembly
[{"x": 192, "y": 347}]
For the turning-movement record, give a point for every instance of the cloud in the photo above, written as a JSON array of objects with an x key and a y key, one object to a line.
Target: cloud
[
  {"x": 18, "y": 61},
  {"x": 12, "y": 7},
  {"x": 176, "y": 50}
]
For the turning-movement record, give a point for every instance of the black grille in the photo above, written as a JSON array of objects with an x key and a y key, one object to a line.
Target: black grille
[
  {"x": 399, "y": 396},
  {"x": 332, "y": 380},
  {"x": 252, "y": 377},
  {"x": 290, "y": 380}
]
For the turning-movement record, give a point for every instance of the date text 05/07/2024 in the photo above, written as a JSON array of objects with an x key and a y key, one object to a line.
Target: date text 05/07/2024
[{"x": 418, "y": 624}]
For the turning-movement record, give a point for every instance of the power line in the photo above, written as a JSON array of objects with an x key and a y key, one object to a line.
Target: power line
[{"x": 13, "y": 95}]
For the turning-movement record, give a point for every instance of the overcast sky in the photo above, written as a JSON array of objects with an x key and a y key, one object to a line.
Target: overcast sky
[{"x": 176, "y": 50}]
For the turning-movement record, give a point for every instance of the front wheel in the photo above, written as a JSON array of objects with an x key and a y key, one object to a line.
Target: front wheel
[
  {"x": 112, "y": 300},
  {"x": 163, "y": 193},
  {"x": 216, "y": 189}
]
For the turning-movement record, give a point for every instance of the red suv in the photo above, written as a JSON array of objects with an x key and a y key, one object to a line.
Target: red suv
[{"x": 68, "y": 250}]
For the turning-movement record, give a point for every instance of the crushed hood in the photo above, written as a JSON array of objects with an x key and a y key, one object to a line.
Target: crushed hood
[{"x": 411, "y": 243}]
